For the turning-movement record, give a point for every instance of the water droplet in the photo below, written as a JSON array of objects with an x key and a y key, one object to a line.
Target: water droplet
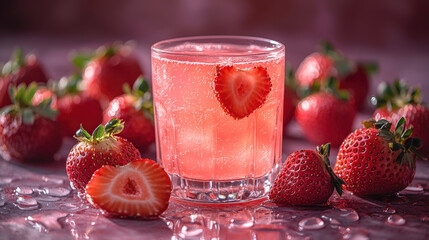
[
  {"x": 26, "y": 203},
  {"x": 57, "y": 191},
  {"x": 389, "y": 210},
  {"x": 26, "y": 200},
  {"x": 395, "y": 220},
  {"x": 5, "y": 180},
  {"x": 191, "y": 230},
  {"x": 24, "y": 190},
  {"x": 332, "y": 221},
  {"x": 48, "y": 219},
  {"x": 345, "y": 215},
  {"x": 353, "y": 234},
  {"x": 241, "y": 223},
  {"x": 311, "y": 223},
  {"x": 414, "y": 188}
]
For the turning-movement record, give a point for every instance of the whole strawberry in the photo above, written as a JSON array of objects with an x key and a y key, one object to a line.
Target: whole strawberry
[
  {"x": 376, "y": 161},
  {"x": 74, "y": 106},
  {"x": 306, "y": 179},
  {"x": 28, "y": 132},
  {"x": 136, "y": 109},
  {"x": 108, "y": 70},
  {"x": 94, "y": 151},
  {"x": 399, "y": 100},
  {"x": 326, "y": 116},
  {"x": 20, "y": 69},
  {"x": 328, "y": 62}
]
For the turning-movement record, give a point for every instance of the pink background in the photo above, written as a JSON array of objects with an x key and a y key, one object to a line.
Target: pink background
[{"x": 394, "y": 33}]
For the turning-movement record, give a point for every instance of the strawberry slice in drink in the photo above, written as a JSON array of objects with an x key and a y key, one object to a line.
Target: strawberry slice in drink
[
  {"x": 139, "y": 189},
  {"x": 241, "y": 92}
]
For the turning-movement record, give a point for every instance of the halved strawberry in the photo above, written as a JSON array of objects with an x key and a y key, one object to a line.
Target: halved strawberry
[
  {"x": 239, "y": 91},
  {"x": 139, "y": 189}
]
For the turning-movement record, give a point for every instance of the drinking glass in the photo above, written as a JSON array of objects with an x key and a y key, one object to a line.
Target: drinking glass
[{"x": 210, "y": 155}]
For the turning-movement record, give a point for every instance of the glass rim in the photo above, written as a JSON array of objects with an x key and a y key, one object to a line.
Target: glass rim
[{"x": 276, "y": 46}]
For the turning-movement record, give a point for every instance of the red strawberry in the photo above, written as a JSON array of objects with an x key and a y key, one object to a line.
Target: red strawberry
[
  {"x": 241, "y": 92},
  {"x": 398, "y": 100},
  {"x": 19, "y": 70},
  {"x": 111, "y": 67},
  {"x": 314, "y": 68},
  {"x": 92, "y": 152},
  {"x": 325, "y": 117},
  {"x": 139, "y": 189},
  {"x": 136, "y": 109},
  {"x": 306, "y": 179},
  {"x": 28, "y": 132},
  {"x": 376, "y": 161},
  {"x": 74, "y": 106},
  {"x": 319, "y": 66}
]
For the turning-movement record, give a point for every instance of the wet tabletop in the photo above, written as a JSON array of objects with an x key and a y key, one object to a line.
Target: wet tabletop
[{"x": 37, "y": 203}]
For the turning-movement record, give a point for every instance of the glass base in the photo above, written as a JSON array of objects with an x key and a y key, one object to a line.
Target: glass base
[{"x": 231, "y": 191}]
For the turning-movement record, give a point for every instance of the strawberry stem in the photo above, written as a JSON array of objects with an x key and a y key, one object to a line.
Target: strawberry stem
[{"x": 324, "y": 152}]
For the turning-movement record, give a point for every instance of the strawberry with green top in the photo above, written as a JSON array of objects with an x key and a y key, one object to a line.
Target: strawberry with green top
[
  {"x": 20, "y": 69},
  {"x": 28, "y": 132},
  {"x": 135, "y": 108},
  {"x": 326, "y": 115},
  {"x": 106, "y": 71},
  {"x": 241, "y": 91},
  {"x": 375, "y": 161},
  {"x": 74, "y": 106},
  {"x": 96, "y": 150},
  {"x": 306, "y": 179},
  {"x": 329, "y": 62},
  {"x": 399, "y": 100},
  {"x": 140, "y": 189}
]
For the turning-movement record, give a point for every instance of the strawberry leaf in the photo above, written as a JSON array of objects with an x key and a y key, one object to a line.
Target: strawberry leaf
[
  {"x": 98, "y": 132},
  {"x": 27, "y": 116},
  {"x": 400, "y": 126},
  {"x": 81, "y": 133},
  {"x": 29, "y": 93},
  {"x": 80, "y": 60},
  {"x": 407, "y": 132}
]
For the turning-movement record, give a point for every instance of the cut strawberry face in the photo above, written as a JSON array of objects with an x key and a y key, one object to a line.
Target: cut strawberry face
[
  {"x": 240, "y": 92},
  {"x": 139, "y": 189}
]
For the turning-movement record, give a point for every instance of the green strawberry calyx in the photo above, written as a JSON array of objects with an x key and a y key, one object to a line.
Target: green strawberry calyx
[
  {"x": 324, "y": 151},
  {"x": 17, "y": 61},
  {"x": 343, "y": 66},
  {"x": 399, "y": 139},
  {"x": 331, "y": 86},
  {"x": 396, "y": 95},
  {"x": 81, "y": 59},
  {"x": 141, "y": 92},
  {"x": 22, "y": 105},
  {"x": 67, "y": 85},
  {"x": 113, "y": 127}
]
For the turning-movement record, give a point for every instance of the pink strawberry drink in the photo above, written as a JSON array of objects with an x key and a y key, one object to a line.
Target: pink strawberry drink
[{"x": 218, "y": 115}]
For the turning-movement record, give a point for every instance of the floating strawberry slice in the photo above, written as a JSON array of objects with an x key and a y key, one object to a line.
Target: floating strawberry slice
[
  {"x": 139, "y": 189},
  {"x": 241, "y": 92}
]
